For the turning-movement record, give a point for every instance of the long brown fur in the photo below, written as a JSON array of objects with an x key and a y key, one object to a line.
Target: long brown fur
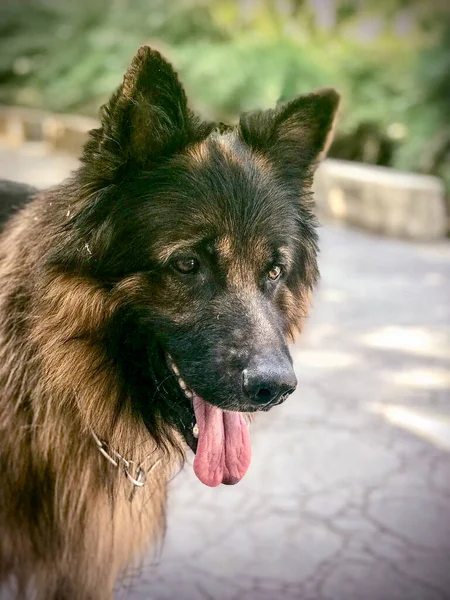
[{"x": 52, "y": 393}]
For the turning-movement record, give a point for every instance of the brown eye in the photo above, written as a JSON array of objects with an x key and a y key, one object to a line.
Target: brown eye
[
  {"x": 275, "y": 272},
  {"x": 187, "y": 265}
]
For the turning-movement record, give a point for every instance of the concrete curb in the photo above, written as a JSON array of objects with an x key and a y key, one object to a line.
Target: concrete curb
[
  {"x": 63, "y": 133},
  {"x": 382, "y": 200}
]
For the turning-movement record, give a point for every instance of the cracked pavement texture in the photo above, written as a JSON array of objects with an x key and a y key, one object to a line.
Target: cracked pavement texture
[{"x": 348, "y": 493}]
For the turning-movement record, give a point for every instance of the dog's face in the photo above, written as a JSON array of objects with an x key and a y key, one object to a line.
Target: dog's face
[{"x": 205, "y": 234}]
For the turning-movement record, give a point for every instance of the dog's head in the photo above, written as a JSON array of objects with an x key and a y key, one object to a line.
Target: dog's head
[{"x": 206, "y": 237}]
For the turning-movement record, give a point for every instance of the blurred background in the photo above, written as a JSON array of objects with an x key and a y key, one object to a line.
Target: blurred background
[
  {"x": 389, "y": 58},
  {"x": 348, "y": 495}
]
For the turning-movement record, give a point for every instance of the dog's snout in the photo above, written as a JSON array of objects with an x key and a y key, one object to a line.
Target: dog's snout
[{"x": 268, "y": 381}]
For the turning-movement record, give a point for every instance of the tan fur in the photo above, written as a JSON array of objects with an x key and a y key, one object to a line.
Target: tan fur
[
  {"x": 228, "y": 145},
  {"x": 199, "y": 153},
  {"x": 225, "y": 248},
  {"x": 233, "y": 150},
  {"x": 164, "y": 253},
  {"x": 240, "y": 269},
  {"x": 286, "y": 253},
  {"x": 295, "y": 307}
]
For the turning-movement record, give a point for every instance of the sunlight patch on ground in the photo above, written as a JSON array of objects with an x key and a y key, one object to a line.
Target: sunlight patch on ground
[
  {"x": 324, "y": 360},
  {"x": 413, "y": 340},
  {"x": 332, "y": 295},
  {"x": 434, "y": 279},
  {"x": 433, "y": 427},
  {"x": 319, "y": 333},
  {"x": 432, "y": 378}
]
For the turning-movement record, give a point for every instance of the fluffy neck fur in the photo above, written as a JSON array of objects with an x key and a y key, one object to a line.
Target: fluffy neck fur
[{"x": 57, "y": 383}]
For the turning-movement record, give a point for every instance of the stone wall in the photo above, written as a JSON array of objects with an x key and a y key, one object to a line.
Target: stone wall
[
  {"x": 382, "y": 200},
  {"x": 66, "y": 133}
]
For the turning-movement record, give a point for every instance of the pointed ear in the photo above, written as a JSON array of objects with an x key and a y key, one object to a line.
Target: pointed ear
[
  {"x": 301, "y": 131},
  {"x": 145, "y": 119}
]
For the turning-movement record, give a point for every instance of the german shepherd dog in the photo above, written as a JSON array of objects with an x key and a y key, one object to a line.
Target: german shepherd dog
[{"x": 145, "y": 305}]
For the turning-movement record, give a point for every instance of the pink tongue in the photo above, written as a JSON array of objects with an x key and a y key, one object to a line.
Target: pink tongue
[{"x": 223, "y": 452}]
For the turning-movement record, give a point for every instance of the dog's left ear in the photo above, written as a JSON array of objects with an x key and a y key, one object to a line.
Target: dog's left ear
[
  {"x": 299, "y": 132},
  {"x": 147, "y": 118}
]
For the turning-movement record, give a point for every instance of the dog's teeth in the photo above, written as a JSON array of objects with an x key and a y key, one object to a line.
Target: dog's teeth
[
  {"x": 188, "y": 394},
  {"x": 175, "y": 368},
  {"x": 182, "y": 384},
  {"x": 195, "y": 431}
]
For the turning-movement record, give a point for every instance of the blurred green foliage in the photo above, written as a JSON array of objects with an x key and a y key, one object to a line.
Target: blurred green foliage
[{"x": 389, "y": 58}]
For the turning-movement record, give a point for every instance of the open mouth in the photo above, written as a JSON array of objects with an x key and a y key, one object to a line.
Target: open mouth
[{"x": 219, "y": 438}]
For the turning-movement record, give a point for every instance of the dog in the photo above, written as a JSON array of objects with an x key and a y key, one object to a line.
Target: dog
[{"x": 146, "y": 304}]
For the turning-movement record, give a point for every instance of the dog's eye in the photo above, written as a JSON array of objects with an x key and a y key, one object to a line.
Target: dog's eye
[
  {"x": 275, "y": 272},
  {"x": 186, "y": 265}
]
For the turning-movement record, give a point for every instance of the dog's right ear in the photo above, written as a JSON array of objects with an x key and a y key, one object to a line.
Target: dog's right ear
[
  {"x": 297, "y": 134},
  {"x": 147, "y": 118}
]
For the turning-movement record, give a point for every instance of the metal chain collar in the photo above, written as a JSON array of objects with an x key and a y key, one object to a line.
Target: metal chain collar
[{"x": 133, "y": 472}]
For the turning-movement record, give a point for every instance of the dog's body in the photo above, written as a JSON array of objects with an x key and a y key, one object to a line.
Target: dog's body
[{"x": 178, "y": 248}]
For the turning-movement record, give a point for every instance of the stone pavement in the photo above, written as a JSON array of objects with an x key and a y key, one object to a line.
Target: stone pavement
[{"x": 348, "y": 494}]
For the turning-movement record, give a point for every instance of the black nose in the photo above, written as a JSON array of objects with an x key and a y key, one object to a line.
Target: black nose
[{"x": 269, "y": 380}]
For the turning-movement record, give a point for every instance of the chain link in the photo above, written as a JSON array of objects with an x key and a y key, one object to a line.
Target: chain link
[{"x": 134, "y": 473}]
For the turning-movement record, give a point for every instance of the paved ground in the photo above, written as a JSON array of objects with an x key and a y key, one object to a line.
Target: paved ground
[{"x": 348, "y": 494}]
